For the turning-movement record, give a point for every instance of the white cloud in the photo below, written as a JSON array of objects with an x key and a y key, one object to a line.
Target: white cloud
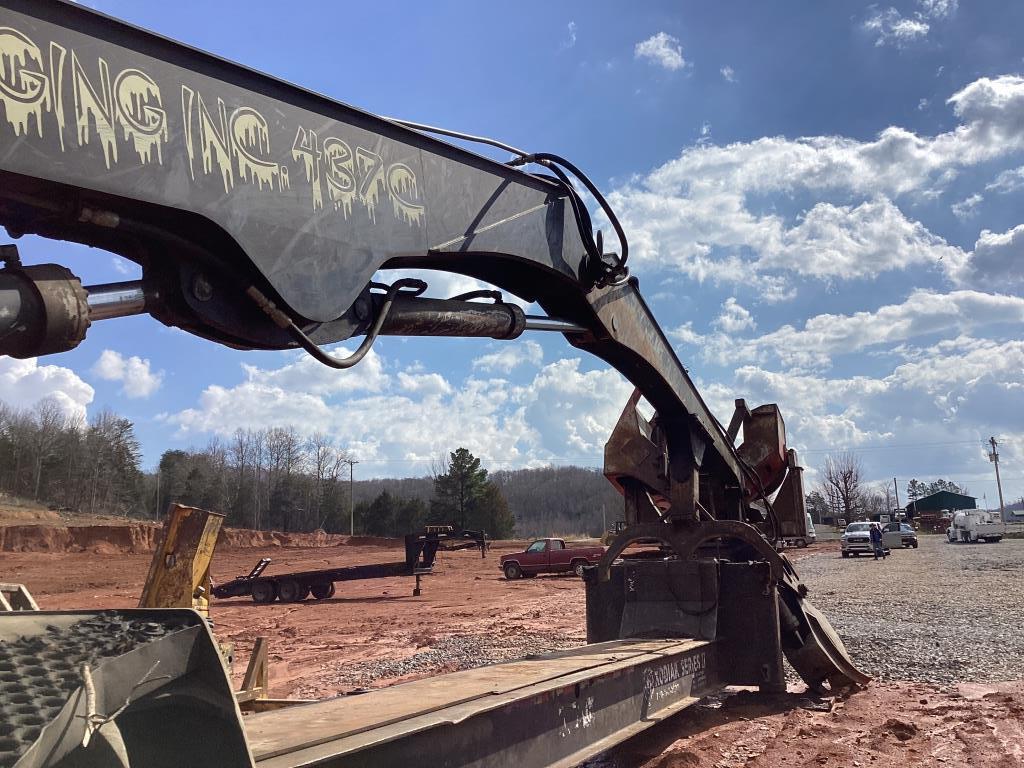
[
  {"x": 823, "y": 337},
  {"x": 304, "y": 374},
  {"x": 891, "y": 27},
  {"x": 923, "y": 105},
  {"x": 662, "y": 49},
  {"x": 967, "y": 208},
  {"x": 1008, "y": 181},
  {"x": 445, "y": 285},
  {"x": 424, "y": 383},
  {"x": 137, "y": 380},
  {"x": 570, "y": 37},
  {"x": 938, "y": 9},
  {"x": 23, "y": 383},
  {"x": 511, "y": 356},
  {"x": 123, "y": 266},
  {"x": 694, "y": 213},
  {"x": 728, "y": 73},
  {"x": 562, "y": 412},
  {"x": 734, "y": 318},
  {"x": 997, "y": 261}
]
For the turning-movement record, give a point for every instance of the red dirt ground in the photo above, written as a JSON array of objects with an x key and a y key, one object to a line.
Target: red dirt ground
[{"x": 313, "y": 644}]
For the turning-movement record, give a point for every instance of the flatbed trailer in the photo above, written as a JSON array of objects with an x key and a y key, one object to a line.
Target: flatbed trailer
[
  {"x": 420, "y": 554},
  {"x": 552, "y": 710}
]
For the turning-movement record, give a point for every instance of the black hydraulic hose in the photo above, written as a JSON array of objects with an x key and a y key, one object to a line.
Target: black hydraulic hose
[
  {"x": 552, "y": 162},
  {"x": 282, "y": 320},
  {"x": 546, "y": 159}
]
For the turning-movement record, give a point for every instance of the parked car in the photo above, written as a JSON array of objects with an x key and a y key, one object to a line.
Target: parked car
[
  {"x": 549, "y": 556},
  {"x": 899, "y": 535},
  {"x": 857, "y": 538}
]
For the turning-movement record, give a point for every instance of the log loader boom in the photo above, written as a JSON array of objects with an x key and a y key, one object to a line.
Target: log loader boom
[{"x": 262, "y": 216}]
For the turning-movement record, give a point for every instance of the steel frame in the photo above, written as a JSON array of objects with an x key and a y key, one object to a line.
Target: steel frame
[{"x": 553, "y": 710}]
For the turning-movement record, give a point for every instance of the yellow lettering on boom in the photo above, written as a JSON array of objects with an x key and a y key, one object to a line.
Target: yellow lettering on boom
[{"x": 24, "y": 90}]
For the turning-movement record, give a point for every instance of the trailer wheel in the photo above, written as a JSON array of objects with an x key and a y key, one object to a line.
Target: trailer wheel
[
  {"x": 263, "y": 592},
  {"x": 513, "y": 571},
  {"x": 801, "y": 543},
  {"x": 290, "y": 591},
  {"x": 323, "y": 591}
]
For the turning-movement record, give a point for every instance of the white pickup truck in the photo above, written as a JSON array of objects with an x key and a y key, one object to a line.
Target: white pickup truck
[{"x": 973, "y": 525}]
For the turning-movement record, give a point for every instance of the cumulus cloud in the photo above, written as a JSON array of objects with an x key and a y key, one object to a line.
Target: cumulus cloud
[
  {"x": 510, "y": 356},
  {"x": 424, "y": 383},
  {"x": 956, "y": 391},
  {"x": 137, "y": 380},
  {"x": 728, "y": 73},
  {"x": 734, "y": 318},
  {"x": 694, "y": 213},
  {"x": 562, "y": 412},
  {"x": 997, "y": 261},
  {"x": 661, "y": 49},
  {"x": 304, "y": 374},
  {"x": 23, "y": 383},
  {"x": 823, "y": 337}
]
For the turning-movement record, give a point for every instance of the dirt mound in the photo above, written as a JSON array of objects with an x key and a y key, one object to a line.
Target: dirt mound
[
  {"x": 371, "y": 541},
  {"x": 141, "y": 538},
  {"x": 134, "y": 538}
]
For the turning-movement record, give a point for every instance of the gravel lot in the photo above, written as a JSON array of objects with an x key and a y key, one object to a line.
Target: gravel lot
[{"x": 943, "y": 613}]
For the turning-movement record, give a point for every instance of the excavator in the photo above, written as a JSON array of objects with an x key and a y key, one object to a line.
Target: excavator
[{"x": 265, "y": 217}]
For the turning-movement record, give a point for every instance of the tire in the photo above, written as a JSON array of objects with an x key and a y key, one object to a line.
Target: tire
[
  {"x": 996, "y": 539},
  {"x": 291, "y": 591},
  {"x": 801, "y": 543},
  {"x": 322, "y": 591},
  {"x": 846, "y": 554},
  {"x": 914, "y": 545},
  {"x": 513, "y": 571},
  {"x": 264, "y": 592},
  {"x": 578, "y": 566}
]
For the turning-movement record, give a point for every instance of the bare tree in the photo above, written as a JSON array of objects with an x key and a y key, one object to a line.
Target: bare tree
[{"x": 841, "y": 483}]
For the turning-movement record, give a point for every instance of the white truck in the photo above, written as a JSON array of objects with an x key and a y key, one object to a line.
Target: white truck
[{"x": 974, "y": 525}]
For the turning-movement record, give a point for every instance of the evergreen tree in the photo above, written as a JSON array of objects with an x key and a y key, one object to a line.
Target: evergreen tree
[{"x": 457, "y": 490}]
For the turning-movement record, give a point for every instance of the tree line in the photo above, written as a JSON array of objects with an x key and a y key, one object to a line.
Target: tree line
[{"x": 69, "y": 463}]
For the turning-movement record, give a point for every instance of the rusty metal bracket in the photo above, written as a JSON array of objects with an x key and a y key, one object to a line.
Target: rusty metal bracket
[{"x": 685, "y": 539}]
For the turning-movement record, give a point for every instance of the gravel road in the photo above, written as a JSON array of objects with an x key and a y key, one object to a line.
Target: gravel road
[{"x": 942, "y": 613}]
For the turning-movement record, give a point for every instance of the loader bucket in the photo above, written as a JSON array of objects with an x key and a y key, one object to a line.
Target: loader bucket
[{"x": 115, "y": 689}]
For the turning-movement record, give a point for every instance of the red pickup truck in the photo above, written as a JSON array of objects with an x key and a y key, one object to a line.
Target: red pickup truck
[{"x": 549, "y": 556}]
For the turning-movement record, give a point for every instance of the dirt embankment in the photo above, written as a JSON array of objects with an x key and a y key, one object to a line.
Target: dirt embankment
[{"x": 140, "y": 538}]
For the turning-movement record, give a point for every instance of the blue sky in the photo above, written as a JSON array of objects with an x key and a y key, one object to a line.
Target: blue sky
[{"x": 823, "y": 201}]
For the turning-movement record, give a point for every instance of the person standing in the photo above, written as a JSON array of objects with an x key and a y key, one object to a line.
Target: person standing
[{"x": 876, "y": 540}]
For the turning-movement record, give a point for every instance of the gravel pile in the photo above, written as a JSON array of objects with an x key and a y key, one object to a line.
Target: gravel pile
[
  {"x": 451, "y": 654},
  {"x": 943, "y": 613}
]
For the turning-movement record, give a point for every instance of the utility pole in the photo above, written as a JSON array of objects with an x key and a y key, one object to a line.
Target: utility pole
[
  {"x": 897, "y": 489},
  {"x": 351, "y": 496},
  {"x": 994, "y": 458}
]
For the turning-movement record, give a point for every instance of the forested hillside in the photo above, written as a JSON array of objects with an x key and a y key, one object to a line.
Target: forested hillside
[
  {"x": 544, "y": 501},
  {"x": 275, "y": 479}
]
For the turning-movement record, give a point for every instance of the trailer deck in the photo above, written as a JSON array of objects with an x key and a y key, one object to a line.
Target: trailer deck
[{"x": 551, "y": 710}]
